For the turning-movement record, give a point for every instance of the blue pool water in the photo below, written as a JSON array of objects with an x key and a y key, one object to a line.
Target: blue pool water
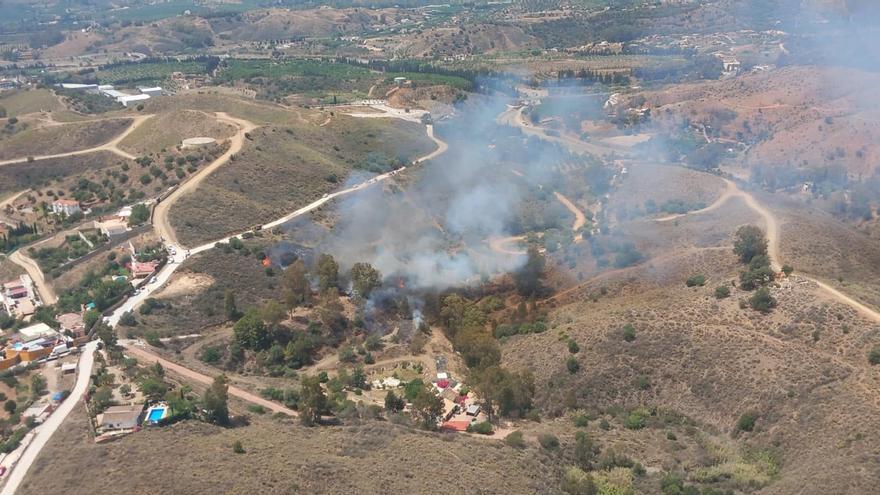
[{"x": 155, "y": 415}]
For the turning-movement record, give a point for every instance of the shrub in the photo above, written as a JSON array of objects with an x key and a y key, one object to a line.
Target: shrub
[
  {"x": 722, "y": 292},
  {"x": 572, "y": 365},
  {"x": 642, "y": 382},
  {"x": 696, "y": 281},
  {"x": 515, "y": 439},
  {"x": 237, "y": 447},
  {"x": 787, "y": 270},
  {"x": 629, "y": 332},
  {"x": 257, "y": 409},
  {"x": 580, "y": 420},
  {"x": 483, "y": 428},
  {"x": 573, "y": 347},
  {"x": 152, "y": 338},
  {"x": 874, "y": 356},
  {"x": 548, "y": 441},
  {"x": 210, "y": 355},
  {"x": 762, "y": 300},
  {"x": 747, "y": 421},
  {"x": 127, "y": 319},
  {"x": 637, "y": 419}
]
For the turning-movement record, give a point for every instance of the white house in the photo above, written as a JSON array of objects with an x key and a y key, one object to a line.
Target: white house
[{"x": 66, "y": 206}]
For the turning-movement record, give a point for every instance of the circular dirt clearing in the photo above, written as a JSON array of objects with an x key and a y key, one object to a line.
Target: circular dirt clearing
[{"x": 197, "y": 142}]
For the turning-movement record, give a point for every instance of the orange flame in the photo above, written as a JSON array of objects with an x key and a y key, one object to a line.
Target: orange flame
[{"x": 266, "y": 261}]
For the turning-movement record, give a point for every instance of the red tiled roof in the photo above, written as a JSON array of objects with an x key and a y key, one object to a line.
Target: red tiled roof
[{"x": 459, "y": 425}]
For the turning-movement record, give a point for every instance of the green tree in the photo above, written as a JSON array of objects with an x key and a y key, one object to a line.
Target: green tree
[
  {"x": 572, "y": 365},
  {"x": 750, "y": 242},
  {"x": 762, "y": 300},
  {"x": 106, "y": 334},
  {"x": 272, "y": 312},
  {"x": 250, "y": 331},
  {"x": 722, "y": 292},
  {"x": 393, "y": 403},
  {"x": 229, "y": 307},
  {"x": 365, "y": 279},
  {"x": 427, "y": 408},
  {"x": 10, "y": 406},
  {"x": 139, "y": 214},
  {"x": 328, "y": 273},
  {"x": 216, "y": 401},
  {"x": 312, "y": 401},
  {"x": 127, "y": 319},
  {"x": 529, "y": 279},
  {"x": 295, "y": 286}
]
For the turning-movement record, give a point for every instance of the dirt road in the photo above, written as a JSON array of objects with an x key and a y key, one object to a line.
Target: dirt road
[
  {"x": 579, "y": 219},
  {"x": 8, "y": 202},
  {"x": 771, "y": 227},
  {"x": 514, "y": 117},
  {"x": 161, "y": 223},
  {"x": 110, "y": 146},
  {"x": 47, "y": 293},
  {"x": 144, "y": 354}
]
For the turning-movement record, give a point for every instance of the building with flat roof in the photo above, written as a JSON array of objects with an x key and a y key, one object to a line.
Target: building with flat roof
[
  {"x": 132, "y": 99},
  {"x": 154, "y": 91},
  {"x": 120, "y": 417}
]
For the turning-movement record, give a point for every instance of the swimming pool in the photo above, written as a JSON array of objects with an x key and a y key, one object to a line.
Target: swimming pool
[{"x": 155, "y": 414}]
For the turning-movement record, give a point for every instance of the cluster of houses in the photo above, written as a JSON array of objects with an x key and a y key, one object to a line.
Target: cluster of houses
[
  {"x": 41, "y": 342},
  {"x": 460, "y": 407},
  {"x": 110, "y": 225},
  {"x": 19, "y": 297},
  {"x": 126, "y": 99}
]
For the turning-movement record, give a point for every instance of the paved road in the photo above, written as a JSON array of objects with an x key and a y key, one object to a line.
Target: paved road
[
  {"x": 45, "y": 431},
  {"x": 110, "y": 146},
  {"x": 15, "y": 477}
]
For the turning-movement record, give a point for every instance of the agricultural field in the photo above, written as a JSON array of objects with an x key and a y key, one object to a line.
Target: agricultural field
[
  {"x": 167, "y": 130},
  {"x": 147, "y": 74},
  {"x": 62, "y": 138},
  {"x": 302, "y": 77},
  {"x": 283, "y": 168}
]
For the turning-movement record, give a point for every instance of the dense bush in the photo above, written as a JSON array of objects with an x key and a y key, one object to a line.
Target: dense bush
[{"x": 548, "y": 441}]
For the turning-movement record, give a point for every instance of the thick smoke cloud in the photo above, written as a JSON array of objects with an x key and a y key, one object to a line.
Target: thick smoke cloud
[{"x": 434, "y": 231}]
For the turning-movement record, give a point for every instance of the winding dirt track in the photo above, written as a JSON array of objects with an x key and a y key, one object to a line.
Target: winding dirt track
[
  {"x": 579, "y": 219},
  {"x": 195, "y": 376},
  {"x": 772, "y": 231},
  {"x": 111, "y": 146},
  {"x": 161, "y": 222}
]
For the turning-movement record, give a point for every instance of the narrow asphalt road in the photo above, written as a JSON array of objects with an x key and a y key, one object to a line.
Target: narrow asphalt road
[{"x": 45, "y": 431}]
